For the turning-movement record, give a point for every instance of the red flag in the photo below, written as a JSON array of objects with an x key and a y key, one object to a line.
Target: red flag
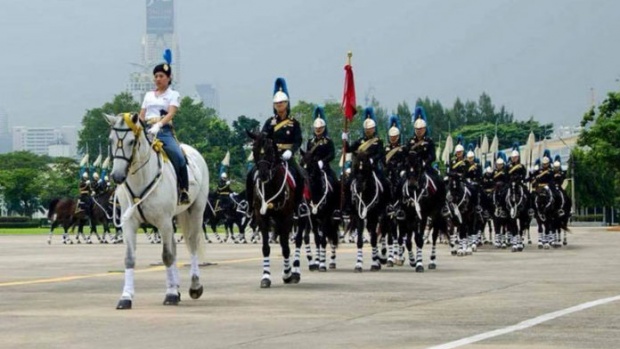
[{"x": 348, "y": 99}]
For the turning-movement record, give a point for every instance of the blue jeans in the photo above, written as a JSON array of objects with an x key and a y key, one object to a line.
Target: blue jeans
[
  {"x": 173, "y": 150},
  {"x": 171, "y": 147}
]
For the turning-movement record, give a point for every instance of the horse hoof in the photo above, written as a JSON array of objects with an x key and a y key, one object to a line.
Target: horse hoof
[
  {"x": 383, "y": 261},
  {"x": 432, "y": 266},
  {"x": 265, "y": 283},
  {"x": 546, "y": 246},
  {"x": 390, "y": 264},
  {"x": 419, "y": 269},
  {"x": 313, "y": 267},
  {"x": 295, "y": 278},
  {"x": 332, "y": 266},
  {"x": 375, "y": 267},
  {"x": 540, "y": 247},
  {"x": 124, "y": 304},
  {"x": 172, "y": 299},
  {"x": 529, "y": 242},
  {"x": 520, "y": 249},
  {"x": 454, "y": 253},
  {"x": 514, "y": 249},
  {"x": 287, "y": 278},
  {"x": 358, "y": 269},
  {"x": 195, "y": 294},
  {"x": 460, "y": 253},
  {"x": 565, "y": 243}
]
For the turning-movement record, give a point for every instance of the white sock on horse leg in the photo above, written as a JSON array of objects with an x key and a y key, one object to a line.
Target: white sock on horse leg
[
  {"x": 194, "y": 270},
  {"x": 172, "y": 279},
  {"x": 128, "y": 288}
]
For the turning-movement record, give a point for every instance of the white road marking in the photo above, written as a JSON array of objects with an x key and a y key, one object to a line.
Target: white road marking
[{"x": 525, "y": 324}]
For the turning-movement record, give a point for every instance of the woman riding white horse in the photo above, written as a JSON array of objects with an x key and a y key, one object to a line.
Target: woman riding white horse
[{"x": 147, "y": 189}]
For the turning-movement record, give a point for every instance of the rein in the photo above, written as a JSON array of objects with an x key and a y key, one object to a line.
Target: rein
[{"x": 260, "y": 189}]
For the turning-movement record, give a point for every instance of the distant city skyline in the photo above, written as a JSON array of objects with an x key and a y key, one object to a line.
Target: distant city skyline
[{"x": 537, "y": 59}]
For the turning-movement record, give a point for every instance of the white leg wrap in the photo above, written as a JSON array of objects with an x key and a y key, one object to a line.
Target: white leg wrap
[
  {"x": 194, "y": 270},
  {"x": 128, "y": 289}
]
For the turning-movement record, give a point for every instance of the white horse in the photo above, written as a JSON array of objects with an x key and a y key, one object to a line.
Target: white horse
[{"x": 147, "y": 192}]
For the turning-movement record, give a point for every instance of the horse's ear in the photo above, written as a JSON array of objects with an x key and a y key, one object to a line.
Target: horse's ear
[
  {"x": 110, "y": 119},
  {"x": 250, "y": 134}
]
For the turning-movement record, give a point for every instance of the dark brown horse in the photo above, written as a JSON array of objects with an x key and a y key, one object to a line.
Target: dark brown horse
[{"x": 62, "y": 212}]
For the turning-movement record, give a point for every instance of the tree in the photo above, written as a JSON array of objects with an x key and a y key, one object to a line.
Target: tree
[
  {"x": 507, "y": 134},
  {"x": 596, "y": 182},
  {"x": 95, "y": 130},
  {"x": 59, "y": 180},
  {"x": 19, "y": 184},
  {"x": 601, "y": 132}
]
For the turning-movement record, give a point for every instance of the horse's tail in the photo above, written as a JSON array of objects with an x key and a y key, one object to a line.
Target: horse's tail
[
  {"x": 194, "y": 238},
  {"x": 52, "y": 208}
]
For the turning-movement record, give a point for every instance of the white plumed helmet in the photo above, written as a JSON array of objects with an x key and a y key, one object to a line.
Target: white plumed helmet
[
  {"x": 419, "y": 123},
  {"x": 458, "y": 148},
  {"x": 318, "y": 122},
  {"x": 369, "y": 123},
  {"x": 499, "y": 161},
  {"x": 394, "y": 131},
  {"x": 470, "y": 154},
  {"x": 514, "y": 153},
  {"x": 280, "y": 97},
  {"x": 85, "y": 175},
  {"x": 557, "y": 164},
  {"x": 489, "y": 169},
  {"x": 224, "y": 175},
  {"x": 546, "y": 160},
  {"x": 96, "y": 175}
]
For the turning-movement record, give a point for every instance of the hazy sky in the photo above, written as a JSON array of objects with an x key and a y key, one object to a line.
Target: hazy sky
[{"x": 541, "y": 58}]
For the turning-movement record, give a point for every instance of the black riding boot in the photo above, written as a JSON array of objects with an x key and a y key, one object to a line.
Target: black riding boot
[{"x": 184, "y": 185}]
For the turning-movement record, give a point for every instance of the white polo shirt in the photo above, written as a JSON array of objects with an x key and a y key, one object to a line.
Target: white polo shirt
[{"x": 153, "y": 104}]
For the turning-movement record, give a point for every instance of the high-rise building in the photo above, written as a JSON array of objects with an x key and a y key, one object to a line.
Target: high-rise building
[
  {"x": 46, "y": 140},
  {"x": 6, "y": 142},
  {"x": 208, "y": 96},
  {"x": 160, "y": 35}
]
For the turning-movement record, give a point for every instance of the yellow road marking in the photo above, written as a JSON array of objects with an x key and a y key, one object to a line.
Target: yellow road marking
[{"x": 146, "y": 270}]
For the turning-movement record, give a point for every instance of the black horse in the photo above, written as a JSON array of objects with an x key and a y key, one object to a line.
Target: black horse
[
  {"x": 324, "y": 200},
  {"x": 424, "y": 198},
  {"x": 273, "y": 204},
  {"x": 101, "y": 213},
  {"x": 517, "y": 206},
  {"x": 461, "y": 200},
  {"x": 368, "y": 205}
]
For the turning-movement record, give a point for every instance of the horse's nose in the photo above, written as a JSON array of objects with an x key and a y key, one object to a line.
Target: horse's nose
[{"x": 118, "y": 179}]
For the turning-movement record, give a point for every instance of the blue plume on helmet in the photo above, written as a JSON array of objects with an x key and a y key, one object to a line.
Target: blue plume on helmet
[
  {"x": 369, "y": 113},
  {"x": 547, "y": 153},
  {"x": 558, "y": 158},
  {"x": 460, "y": 140},
  {"x": 537, "y": 162},
  {"x": 222, "y": 170},
  {"x": 168, "y": 56},
  {"x": 470, "y": 147},
  {"x": 280, "y": 85},
  {"x": 502, "y": 155},
  {"x": 487, "y": 163},
  {"x": 394, "y": 121},
  {"x": 419, "y": 113},
  {"x": 319, "y": 113}
]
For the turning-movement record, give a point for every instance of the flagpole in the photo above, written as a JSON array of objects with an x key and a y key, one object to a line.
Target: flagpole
[{"x": 344, "y": 143}]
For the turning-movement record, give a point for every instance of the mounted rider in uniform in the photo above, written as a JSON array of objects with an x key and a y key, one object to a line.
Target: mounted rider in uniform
[
  {"x": 395, "y": 162},
  {"x": 285, "y": 132},
  {"x": 323, "y": 151}
]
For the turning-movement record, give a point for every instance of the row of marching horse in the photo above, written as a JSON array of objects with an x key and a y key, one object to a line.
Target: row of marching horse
[{"x": 420, "y": 210}]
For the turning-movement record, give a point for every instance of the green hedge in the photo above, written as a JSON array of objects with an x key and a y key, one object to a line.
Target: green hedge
[
  {"x": 588, "y": 218},
  {"x": 34, "y": 223},
  {"x": 14, "y": 219}
]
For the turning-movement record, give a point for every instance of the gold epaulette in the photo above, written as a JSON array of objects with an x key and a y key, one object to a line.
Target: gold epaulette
[{"x": 285, "y": 146}]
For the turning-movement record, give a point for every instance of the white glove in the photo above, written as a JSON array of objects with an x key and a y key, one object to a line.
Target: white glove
[
  {"x": 321, "y": 164},
  {"x": 402, "y": 173},
  {"x": 286, "y": 155},
  {"x": 227, "y": 182},
  {"x": 371, "y": 161},
  {"x": 154, "y": 130},
  {"x": 345, "y": 136}
]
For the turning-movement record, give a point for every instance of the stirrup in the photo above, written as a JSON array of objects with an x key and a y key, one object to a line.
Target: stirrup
[
  {"x": 400, "y": 215},
  {"x": 337, "y": 215},
  {"x": 560, "y": 212}
]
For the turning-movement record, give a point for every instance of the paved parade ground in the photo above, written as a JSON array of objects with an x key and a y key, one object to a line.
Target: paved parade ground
[{"x": 57, "y": 296}]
